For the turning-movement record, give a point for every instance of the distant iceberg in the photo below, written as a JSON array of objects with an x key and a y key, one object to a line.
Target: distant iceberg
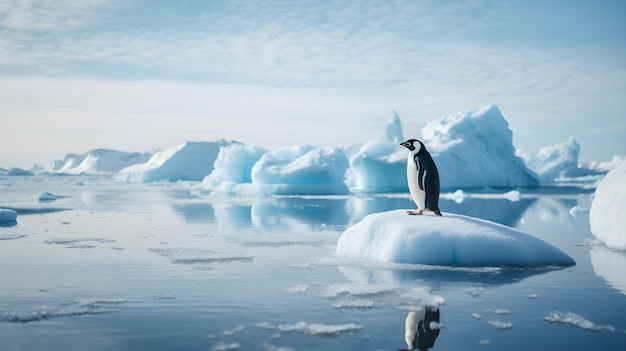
[
  {"x": 558, "y": 163},
  {"x": 187, "y": 161},
  {"x": 606, "y": 216},
  {"x": 451, "y": 240},
  {"x": 295, "y": 170},
  {"x": 99, "y": 161}
]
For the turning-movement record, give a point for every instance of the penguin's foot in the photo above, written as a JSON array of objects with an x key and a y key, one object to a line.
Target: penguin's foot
[{"x": 414, "y": 213}]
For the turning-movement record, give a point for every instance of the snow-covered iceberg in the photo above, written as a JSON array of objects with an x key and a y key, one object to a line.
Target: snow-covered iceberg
[
  {"x": 295, "y": 170},
  {"x": 451, "y": 240},
  {"x": 558, "y": 163},
  {"x": 99, "y": 161},
  {"x": 606, "y": 216},
  {"x": 471, "y": 149},
  {"x": 379, "y": 165},
  {"x": 187, "y": 161},
  {"x": 475, "y": 149}
]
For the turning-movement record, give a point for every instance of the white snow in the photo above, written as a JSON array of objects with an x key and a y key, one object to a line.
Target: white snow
[
  {"x": 99, "y": 161},
  {"x": 606, "y": 216},
  {"x": 295, "y": 170},
  {"x": 451, "y": 240},
  {"x": 7, "y": 215},
  {"x": 187, "y": 161}
]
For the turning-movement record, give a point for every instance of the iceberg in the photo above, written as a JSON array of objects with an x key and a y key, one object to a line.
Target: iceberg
[
  {"x": 380, "y": 165},
  {"x": 451, "y": 240},
  {"x": 608, "y": 207},
  {"x": 472, "y": 149},
  {"x": 475, "y": 149},
  {"x": 99, "y": 161},
  {"x": 295, "y": 170},
  {"x": 187, "y": 161},
  {"x": 558, "y": 162}
]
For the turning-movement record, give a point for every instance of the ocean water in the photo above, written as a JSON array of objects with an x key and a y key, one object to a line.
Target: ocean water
[{"x": 111, "y": 266}]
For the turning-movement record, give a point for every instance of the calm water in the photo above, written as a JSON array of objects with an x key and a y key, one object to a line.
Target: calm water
[{"x": 167, "y": 267}]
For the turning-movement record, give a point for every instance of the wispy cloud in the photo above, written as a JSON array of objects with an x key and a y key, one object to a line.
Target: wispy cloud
[{"x": 423, "y": 58}]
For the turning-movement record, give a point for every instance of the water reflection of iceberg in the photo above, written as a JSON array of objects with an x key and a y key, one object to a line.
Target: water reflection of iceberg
[
  {"x": 317, "y": 213},
  {"x": 438, "y": 277},
  {"x": 609, "y": 265}
]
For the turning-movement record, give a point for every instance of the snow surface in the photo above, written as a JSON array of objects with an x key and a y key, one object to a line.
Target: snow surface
[
  {"x": 7, "y": 215},
  {"x": 99, "y": 161},
  {"x": 188, "y": 161},
  {"x": 608, "y": 207},
  {"x": 451, "y": 240}
]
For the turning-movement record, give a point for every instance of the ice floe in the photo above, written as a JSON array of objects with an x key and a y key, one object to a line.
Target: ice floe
[
  {"x": 575, "y": 320},
  {"x": 451, "y": 240},
  {"x": 314, "y": 329}
]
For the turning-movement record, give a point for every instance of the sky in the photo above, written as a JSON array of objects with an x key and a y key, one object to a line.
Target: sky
[{"x": 139, "y": 75}]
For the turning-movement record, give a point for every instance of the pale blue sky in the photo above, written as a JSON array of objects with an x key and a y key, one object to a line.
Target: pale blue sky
[{"x": 135, "y": 75}]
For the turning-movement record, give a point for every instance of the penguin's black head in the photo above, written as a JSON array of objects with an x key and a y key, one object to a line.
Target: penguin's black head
[{"x": 413, "y": 144}]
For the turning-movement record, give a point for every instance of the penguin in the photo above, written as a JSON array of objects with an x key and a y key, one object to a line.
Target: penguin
[{"x": 422, "y": 177}]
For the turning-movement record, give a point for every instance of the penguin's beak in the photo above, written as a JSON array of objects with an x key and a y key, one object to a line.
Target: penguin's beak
[{"x": 403, "y": 144}]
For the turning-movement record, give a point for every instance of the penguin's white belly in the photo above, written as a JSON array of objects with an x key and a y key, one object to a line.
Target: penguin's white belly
[{"x": 418, "y": 195}]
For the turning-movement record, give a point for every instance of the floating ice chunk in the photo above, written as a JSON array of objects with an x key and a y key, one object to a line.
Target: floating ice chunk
[
  {"x": 575, "y": 320},
  {"x": 76, "y": 308},
  {"x": 49, "y": 197},
  {"x": 7, "y": 215},
  {"x": 234, "y": 330},
  {"x": 606, "y": 216},
  {"x": 368, "y": 296},
  {"x": 451, "y": 240},
  {"x": 298, "y": 289},
  {"x": 500, "y": 325},
  {"x": 577, "y": 211},
  {"x": 312, "y": 328}
]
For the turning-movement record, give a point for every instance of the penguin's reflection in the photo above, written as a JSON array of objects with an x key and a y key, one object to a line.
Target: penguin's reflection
[{"x": 421, "y": 328}]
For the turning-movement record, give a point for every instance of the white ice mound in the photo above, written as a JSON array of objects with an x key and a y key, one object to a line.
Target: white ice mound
[
  {"x": 187, "y": 161},
  {"x": 295, "y": 170},
  {"x": 475, "y": 149},
  {"x": 99, "y": 161},
  {"x": 451, "y": 240},
  {"x": 7, "y": 215},
  {"x": 606, "y": 216}
]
